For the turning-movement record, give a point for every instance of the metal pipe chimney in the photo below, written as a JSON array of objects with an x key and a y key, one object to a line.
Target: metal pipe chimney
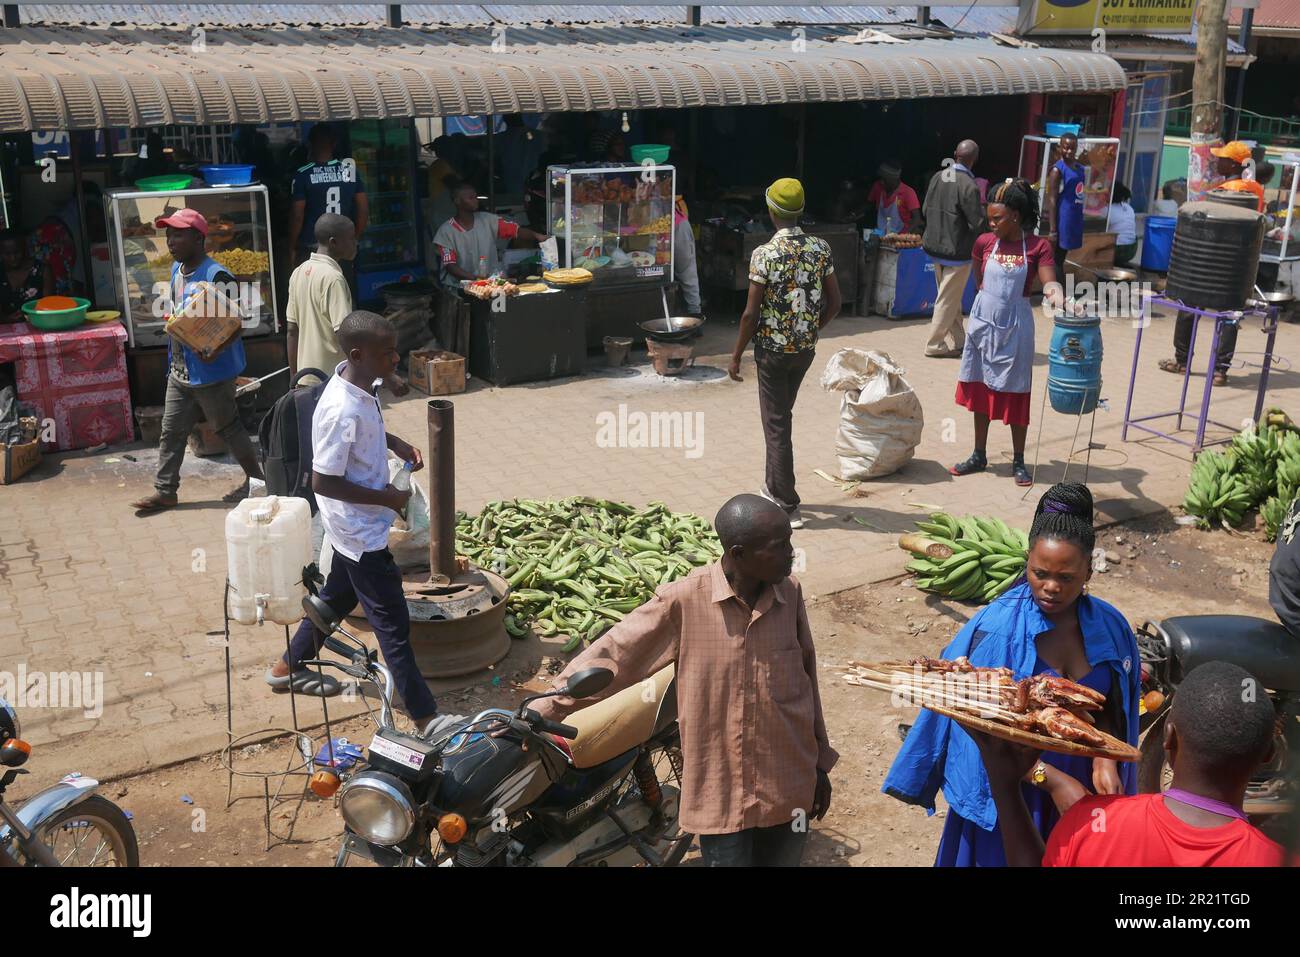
[{"x": 442, "y": 491}]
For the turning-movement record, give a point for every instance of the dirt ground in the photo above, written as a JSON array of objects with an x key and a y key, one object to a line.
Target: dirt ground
[{"x": 1162, "y": 569}]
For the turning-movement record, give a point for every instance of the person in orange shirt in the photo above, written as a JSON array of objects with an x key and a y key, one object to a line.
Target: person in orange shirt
[{"x": 1233, "y": 158}]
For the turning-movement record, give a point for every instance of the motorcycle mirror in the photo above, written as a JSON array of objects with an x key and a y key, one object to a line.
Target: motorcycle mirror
[
  {"x": 588, "y": 682},
  {"x": 15, "y": 753},
  {"x": 321, "y": 614}
]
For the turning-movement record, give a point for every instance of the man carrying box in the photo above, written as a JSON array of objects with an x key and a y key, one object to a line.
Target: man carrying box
[{"x": 195, "y": 385}]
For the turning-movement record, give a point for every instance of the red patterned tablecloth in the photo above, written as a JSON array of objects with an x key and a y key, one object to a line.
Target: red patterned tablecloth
[{"x": 77, "y": 378}]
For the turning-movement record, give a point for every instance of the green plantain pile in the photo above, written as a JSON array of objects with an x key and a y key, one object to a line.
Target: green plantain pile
[
  {"x": 988, "y": 556},
  {"x": 1260, "y": 469},
  {"x": 578, "y": 565}
]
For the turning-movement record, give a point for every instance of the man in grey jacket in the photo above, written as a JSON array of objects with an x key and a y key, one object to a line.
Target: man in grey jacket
[{"x": 954, "y": 216}]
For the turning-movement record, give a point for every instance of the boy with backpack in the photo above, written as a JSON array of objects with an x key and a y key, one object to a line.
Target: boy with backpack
[{"x": 349, "y": 475}]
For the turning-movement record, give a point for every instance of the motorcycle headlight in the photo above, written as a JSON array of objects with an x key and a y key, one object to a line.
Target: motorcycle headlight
[{"x": 378, "y": 807}]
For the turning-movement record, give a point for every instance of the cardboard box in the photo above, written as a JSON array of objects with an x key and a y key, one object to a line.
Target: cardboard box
[
  {"x": 437, "y": 372},
  {"x": 19, "y": 460}
]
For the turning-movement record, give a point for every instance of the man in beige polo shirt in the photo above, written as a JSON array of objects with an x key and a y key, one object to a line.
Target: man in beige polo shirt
[{"x": 319, "y": 297}]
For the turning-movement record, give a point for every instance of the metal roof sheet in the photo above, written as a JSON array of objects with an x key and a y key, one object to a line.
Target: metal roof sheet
[{"x": 55, "y": 78}]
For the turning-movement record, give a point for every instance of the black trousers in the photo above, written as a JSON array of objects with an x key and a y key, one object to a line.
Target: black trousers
[
  {"x": 779, "y": 377},
  {"x": 777, "y": 846},
  {"x": 1183, "y": 340}
]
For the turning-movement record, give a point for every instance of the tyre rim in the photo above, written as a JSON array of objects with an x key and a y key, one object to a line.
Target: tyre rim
[{"x": 85, "y": 841}]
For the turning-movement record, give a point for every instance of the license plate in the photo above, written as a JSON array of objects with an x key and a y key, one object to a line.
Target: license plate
[{"x": 397, "y": 752}]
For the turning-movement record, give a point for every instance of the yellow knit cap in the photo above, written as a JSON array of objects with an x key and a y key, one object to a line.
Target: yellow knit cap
[{"x": 785, "y": 197}]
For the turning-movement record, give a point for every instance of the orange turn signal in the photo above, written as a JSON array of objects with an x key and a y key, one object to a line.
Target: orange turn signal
[
  {"x": 15, "y": 753},
  {"x": 452, "y": 828},
  {"x": 325, "y": 783}
]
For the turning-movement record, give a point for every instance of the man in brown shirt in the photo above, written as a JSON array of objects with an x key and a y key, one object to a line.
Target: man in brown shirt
[{"x": 756, "y": 756}]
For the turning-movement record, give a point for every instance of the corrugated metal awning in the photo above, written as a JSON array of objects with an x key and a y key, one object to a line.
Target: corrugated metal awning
[{"x": 55, "y": 78}]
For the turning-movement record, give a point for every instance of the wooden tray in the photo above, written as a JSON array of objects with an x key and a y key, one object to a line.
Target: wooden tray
[{"x": 1115, "y": 749}]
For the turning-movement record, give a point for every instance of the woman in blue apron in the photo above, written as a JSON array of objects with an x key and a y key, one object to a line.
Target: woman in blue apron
[
  {"x": 998, "y": 359},
  {"x": 1065, "y": 186},
  {"x": 1046, "y": 623}
]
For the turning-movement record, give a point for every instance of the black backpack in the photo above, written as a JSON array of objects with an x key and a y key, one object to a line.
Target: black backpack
[{"x": 284, "y": 437}]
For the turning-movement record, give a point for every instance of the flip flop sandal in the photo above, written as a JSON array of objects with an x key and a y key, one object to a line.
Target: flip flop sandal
[
  {"x": 1172, "y": 365},
  {"x": 1220, "y": 378},
  {"x": 976, "y": 463},
  {"x": 304, "y": 682},
  {"x": 1021, "y": 474}
]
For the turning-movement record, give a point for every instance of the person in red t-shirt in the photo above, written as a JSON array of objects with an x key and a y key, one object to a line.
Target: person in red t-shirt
[
  {"x": 897, "y": 206},
  {"x": 1219, "y": 730}
]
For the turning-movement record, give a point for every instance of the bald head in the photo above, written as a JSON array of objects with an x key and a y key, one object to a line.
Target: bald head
[
  {"x": 747, "y": 519},
  {"x": 967, "y": 153}
]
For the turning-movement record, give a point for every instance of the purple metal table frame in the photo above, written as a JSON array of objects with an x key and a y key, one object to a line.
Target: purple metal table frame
[{"x": 1221, "y": 318}]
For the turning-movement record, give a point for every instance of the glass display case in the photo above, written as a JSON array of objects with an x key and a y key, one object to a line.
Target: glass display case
[
  {"x": 616, "y": 220},
  {"x": 384, "y": 151},
  {"x": 1098, "y": 154},
  {"x": 238, "y": 238},
  {"x": 1282, "y": 238}
]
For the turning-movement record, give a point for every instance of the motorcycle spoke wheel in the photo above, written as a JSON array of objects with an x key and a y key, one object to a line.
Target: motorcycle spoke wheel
[{"x": 94, "y": 833}]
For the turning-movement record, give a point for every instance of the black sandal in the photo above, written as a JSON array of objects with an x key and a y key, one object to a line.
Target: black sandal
[
  {"x": 977, "y": 462},
  {"x": 1021, "y": 474}
]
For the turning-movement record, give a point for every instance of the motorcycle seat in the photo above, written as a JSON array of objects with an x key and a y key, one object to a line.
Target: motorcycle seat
[
  {"x": 1264, "y": 648},
  {"x": 621, "y": 722}
]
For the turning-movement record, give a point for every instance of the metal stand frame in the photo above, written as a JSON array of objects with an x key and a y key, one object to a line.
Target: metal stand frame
[
  {"x": 1038, "y": 442},
  {"x": 1221, "y": 318},
  {"x": 293, "y": 766}
]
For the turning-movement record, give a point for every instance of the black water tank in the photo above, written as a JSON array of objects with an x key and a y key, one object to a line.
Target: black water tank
[
  {"x": 1215, "y": 255},
  {"x": 1234, "y": 197}
]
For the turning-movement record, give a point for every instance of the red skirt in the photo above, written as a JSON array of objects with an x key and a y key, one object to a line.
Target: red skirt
[{"x": 1011, "y": 407}]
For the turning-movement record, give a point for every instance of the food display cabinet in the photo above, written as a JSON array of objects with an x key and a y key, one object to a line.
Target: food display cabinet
[
  {"x": 1098, "y": 154},
  {"x": 238, "y": 237},
  {"x": 1279, "y": 258},
  {"x": 615, "y": 220}
]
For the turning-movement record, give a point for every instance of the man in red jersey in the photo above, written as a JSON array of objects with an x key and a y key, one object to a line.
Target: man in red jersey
[{"x": 1219, "y": 730}]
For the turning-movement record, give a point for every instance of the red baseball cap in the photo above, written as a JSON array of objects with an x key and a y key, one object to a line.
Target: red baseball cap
[{"x": 184, "y": 219}]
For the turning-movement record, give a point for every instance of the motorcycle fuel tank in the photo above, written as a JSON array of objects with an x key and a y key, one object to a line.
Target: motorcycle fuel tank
[{"x": 487, "y": 776}]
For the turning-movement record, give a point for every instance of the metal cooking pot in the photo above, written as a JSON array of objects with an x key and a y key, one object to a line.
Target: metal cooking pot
[{"x": 675, "y": 329}]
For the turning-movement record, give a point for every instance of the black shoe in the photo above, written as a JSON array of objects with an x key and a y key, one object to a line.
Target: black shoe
[
  {"x": 977, "y": 462},
  {"x": 1021, "y": 474}
]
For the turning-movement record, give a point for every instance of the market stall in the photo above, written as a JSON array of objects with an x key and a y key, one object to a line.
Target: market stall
[
  {"x": 1279, "y": 259},
  {"x": 1098, "y": 154},
  {"x": 535, "y": 331},
  {"x": 726, "y": 246},
  {"x": 238, "y": 237},
  {"x": 75, "y": 378},
  {"x": 904, "y": 286},
  {"x": 615, "y": 220}
]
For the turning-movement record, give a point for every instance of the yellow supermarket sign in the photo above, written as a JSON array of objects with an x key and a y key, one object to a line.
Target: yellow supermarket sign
[{"x": 1121, "y": 16}]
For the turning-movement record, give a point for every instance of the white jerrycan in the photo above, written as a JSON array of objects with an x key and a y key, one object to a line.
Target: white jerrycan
[{"x": 268, "y": 541}]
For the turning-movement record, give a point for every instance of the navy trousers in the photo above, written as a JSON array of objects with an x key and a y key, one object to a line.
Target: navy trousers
[{"x": 376, "y": 582}]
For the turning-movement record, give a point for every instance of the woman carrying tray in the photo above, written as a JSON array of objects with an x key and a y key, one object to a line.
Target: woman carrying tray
[{"x": 1045, "y": 624}]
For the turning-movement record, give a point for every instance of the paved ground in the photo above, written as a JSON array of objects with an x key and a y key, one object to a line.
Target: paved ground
[{"x": 86, "y": 585}]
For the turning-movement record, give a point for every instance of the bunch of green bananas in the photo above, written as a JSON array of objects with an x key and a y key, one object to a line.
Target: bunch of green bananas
[
  {"x": 1216, "y": 494},
  {"x": 1274, "y": 514},
  {"x": 987, "y": 557},
  {"x": 1257, "y": 452},
  {"x": 1288, "y": 466}
]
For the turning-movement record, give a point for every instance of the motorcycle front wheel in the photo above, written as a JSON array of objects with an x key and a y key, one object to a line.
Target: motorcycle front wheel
[
  {"x": 92, "y": 833},
  {"x": 666, "y": 758}
]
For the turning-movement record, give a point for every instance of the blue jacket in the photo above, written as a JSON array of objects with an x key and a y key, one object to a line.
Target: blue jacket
[
  {"x": 939, "y": 753},
  {"x": 229, "y": 362}
]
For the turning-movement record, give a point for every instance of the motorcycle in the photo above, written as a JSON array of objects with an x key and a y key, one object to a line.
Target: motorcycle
[
  {"x": 64, "y": 825},
  {"x": 1171, "y": 648},
  {"x": 510, "y": 788}
]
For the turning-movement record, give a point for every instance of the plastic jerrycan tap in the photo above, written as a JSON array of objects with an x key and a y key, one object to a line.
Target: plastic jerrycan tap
[{"x": 268, "y": 542}]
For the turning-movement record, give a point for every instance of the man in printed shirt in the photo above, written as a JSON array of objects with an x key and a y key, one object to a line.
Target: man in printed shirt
[
  {"x": 756, "y": 758},
  {"x": 467, "y": 243},
  {"x": 793, "y": 293}
]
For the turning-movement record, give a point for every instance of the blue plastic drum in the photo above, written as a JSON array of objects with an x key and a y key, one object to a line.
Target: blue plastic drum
[
  {"x": 1157, "y": 242},
  {"x": 1074, "y": 365}
]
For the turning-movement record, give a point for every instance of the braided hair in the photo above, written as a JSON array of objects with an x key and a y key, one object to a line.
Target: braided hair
[
  {"x": 1017, "y": 195},
  {"x": 1064, "y": 513}
]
